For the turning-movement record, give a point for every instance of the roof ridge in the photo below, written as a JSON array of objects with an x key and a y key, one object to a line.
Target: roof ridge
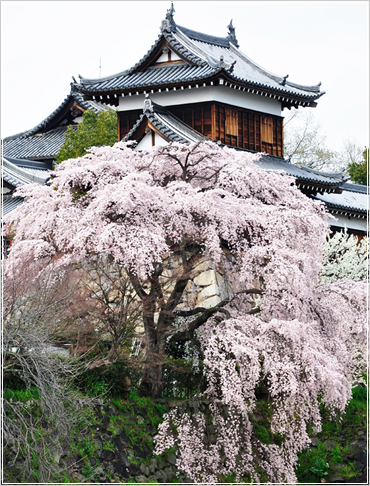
[
  {"x": 193, "y": 57},
  {"x": 23, "y": 175},
  {"x": 200, "y": 36}
]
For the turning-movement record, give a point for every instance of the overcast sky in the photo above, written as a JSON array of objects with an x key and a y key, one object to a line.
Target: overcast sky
[{"x": 45, "y": 43}]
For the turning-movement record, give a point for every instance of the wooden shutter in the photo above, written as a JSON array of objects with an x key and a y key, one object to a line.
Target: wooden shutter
[
  {"x": 267, "y": 129},
  {"x": 231, "y": 122}
]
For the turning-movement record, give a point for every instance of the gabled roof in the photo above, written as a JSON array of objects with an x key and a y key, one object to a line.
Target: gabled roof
[
  {"x": 205, "y": 58},
  {"x": 16, "y": 173},
  {"x": 164, "y": 123}
]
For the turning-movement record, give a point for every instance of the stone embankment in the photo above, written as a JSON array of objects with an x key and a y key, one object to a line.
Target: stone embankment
[
  {"x": 119, "y": 457},
  {"x": 358, "y": 455},
  {"x": 118, "y": 447}
]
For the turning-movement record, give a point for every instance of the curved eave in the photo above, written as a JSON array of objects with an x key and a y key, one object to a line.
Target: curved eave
[
  {"x": 346, "y": 210},
  {"x": 111, "y": 95},
  {"x": 282, "y": 80},
  {"x": 286, "y": 97},
  {"x": 318, "y": 187}
]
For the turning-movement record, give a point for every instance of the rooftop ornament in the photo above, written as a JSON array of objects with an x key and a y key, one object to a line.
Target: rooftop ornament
[
  {"x": 284, "y": 80},
  {"x": 168, "y": 21},
  {"x": 231, "y": 34},
  {"x": 148, "y": 106},
  {"x": 170, "y": 12}
]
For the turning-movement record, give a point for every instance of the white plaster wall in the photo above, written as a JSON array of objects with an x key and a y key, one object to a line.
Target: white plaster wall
[
  {"x": 350, "y": 223},
  {"x": 175, "y": 57},
  {"x": 164, "y": 57},
  {"x": 222, "y": 94},
  {"x": 159, "y": 141},
  {"x": 146, "y": 142}
]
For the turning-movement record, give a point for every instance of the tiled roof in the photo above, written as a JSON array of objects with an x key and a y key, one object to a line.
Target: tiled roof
[
  {"x": 9, "y": 203},
  {"x": 348, "y": 202},
  {"x": 18, "y": 176},
  {"x": 269, "y": 162},
  {"x": 152, "y": 76},
  {"x": 40, "y": 145},
  {"x": 348, "y": 186},
  {"x": 205, "y": 57},
  {"x": 167, "y": 124}
]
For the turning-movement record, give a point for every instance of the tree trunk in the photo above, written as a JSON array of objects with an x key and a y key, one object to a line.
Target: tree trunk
[{"x": 152, "y": 380}]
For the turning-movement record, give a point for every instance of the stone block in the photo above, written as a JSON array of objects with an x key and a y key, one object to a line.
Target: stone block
[
  {"x": 201, "y": 267},
  {"x": 360, "y": 460},
  {"x": 210, "y": 302},
  {"x": 144, "y": 469},
  {"x": 161, "y": 476},
  {"x": 334, "y": 478},
  {"x": 358, "y": 445},
  {"x": 170, "y": 473},
  {"x": 209, "y": 291},
  {"x": 141, "y": 479},
  {"x": 172, "y": 459},
  {"x": 314, "y": 441},
  {"x": 329, "y": 444},
  {"x": 206, "y": 278}
]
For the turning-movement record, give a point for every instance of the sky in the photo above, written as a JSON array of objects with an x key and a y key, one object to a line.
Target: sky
[{"x": 45, "y": 43}]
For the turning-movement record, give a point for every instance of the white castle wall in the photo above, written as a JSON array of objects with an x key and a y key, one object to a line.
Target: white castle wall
[{"x": 223, "y": 94}]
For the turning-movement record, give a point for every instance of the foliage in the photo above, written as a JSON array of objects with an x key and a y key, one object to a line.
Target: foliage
[
  {"x": 158, "y": 215},
  {"x": 94, "y": 130},
  {"x": 107, "y": 380},
  {"x": 359, "y": 171},
  {"x": 304, "y": 142},
  {"x": 345, "y": 257},
  {"x": 320, "y": 468}
]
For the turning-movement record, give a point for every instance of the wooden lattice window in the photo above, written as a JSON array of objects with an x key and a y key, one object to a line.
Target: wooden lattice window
[
  {"x": 267, "y": 132},
  {"x": 231, "y": 122}
]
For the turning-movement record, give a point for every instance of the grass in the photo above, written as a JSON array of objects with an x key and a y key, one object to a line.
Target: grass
[{"x": 344, "y": 430}]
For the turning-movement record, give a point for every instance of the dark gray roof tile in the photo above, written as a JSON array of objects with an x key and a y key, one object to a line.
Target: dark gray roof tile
[
  {"x": 9, "y": 203},
  {"x": 43, "y": 145}
]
